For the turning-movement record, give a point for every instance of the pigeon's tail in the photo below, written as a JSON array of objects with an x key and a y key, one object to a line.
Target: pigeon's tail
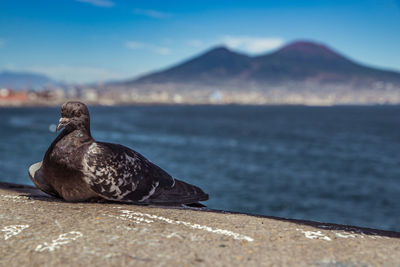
[{"x": 180, "y": 193}]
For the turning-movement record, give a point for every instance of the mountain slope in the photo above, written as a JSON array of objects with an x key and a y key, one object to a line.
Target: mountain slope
[
  {"x": 23, "y": 80},
  {"x": 218, "y": 63},
  {"x": 299, "y": 62},
  {"x": 305, "y": 61}
]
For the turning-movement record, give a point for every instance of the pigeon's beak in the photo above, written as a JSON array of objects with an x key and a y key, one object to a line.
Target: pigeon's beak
[{"x": 62, "y": 123}]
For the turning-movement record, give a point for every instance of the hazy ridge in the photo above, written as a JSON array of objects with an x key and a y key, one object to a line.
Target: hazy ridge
[{"x": 301, "y": 72}]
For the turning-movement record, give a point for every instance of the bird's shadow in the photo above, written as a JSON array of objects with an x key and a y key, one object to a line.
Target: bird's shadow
[{"x": 36, "y": 194}]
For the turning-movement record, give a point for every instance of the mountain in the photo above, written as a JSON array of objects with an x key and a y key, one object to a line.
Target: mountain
[
  {"x": 23, "y": 80},
  {"x": 307, "y": 61},
  {"x": 297, "y": 62},
  {"x": 218, "y": 63}
]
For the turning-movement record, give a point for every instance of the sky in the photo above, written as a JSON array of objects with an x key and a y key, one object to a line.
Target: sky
[{"x": 84, "y": 41}]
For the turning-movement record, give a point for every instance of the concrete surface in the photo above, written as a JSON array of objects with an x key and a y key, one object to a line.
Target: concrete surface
[{"x": 37, "y": 230}]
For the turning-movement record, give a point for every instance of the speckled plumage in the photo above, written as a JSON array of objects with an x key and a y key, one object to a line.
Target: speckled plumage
[{"x": 78, "y": 168}]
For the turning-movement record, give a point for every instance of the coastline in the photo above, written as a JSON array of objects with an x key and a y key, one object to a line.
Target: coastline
[{"x": 127, "y": 104}]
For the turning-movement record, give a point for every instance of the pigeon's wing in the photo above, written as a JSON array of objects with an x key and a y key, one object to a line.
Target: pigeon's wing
[
  {"x": 118, "y": 173},
  {"x": 35, "y": 172},
  {"x": 179, "y": 193}
]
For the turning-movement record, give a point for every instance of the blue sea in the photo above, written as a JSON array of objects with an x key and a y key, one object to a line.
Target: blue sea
[{"x": 331, "y": 164}]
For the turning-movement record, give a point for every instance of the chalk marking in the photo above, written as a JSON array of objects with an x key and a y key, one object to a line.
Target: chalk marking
[
  {"x": 13, "y": 230},
  {"x": 58, "y": 224},
  {"x": 62, "y": 239},
  {"x": 125, "y": 227},
  {"x": 352, "y": 233},
  {"x": 358, "y": 233},
  {"x": 124, "y": 217},
  {"x": 174, "y": 235},
  {"x": 345, "y": 235},
  {"x": 128, "y": 214},
  {"x": 195, "y": 238},
  {"x": 19, "y": 199},
  {"x": 314, "y": 235}
]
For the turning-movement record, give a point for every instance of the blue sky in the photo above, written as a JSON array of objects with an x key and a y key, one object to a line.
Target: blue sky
[{"x": 98, "y": 40}]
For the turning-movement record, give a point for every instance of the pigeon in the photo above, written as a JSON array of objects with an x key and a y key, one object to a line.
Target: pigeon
[{"x": 77, "y": 168}]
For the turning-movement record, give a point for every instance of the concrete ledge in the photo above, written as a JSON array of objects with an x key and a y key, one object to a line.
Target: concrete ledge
[{"x": 39, "y": 230}]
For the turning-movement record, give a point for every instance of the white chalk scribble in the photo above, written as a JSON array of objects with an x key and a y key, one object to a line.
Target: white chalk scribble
[
  {"x": 345, "y": 235},
  {"x": 314, "y": 235},
  {"x": 130, "y": 217},
  {"x": 13, "y": 230},
  {"x": 63, "y": 239},
  {"x": 348, "y": 233},
  {"x": 18, "y": 199},
  {"x": 149, "y": 218}
]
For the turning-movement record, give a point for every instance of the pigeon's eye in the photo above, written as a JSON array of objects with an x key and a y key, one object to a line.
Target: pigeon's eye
[{"x": 75, "y": 114}]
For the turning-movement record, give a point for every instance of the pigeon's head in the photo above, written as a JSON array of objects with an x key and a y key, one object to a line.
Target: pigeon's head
[{"x": 74, "y": 115}]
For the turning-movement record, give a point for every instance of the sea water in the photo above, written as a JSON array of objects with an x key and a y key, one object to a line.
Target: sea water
[{"x": 331, "y": 164}]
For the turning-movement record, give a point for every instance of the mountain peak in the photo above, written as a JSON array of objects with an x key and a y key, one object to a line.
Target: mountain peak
[
  {"x": 219, "y": 50},
  {"x": 308, "y": 48},
  {"x": 210, "y": 66}
]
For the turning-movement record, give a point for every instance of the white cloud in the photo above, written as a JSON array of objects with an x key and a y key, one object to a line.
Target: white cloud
[
  {"x": 195, "y": 43},
  {"x": 100, "y": 3},
  {"x": 80, "y": 74},
  {"x": 253, "y": 45},
  {"x": 152, "y": 13},
  {"x": 134, "y": 45},
  {"x": 162, "y": 50},
  {"x": 167, "y": 41}
]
